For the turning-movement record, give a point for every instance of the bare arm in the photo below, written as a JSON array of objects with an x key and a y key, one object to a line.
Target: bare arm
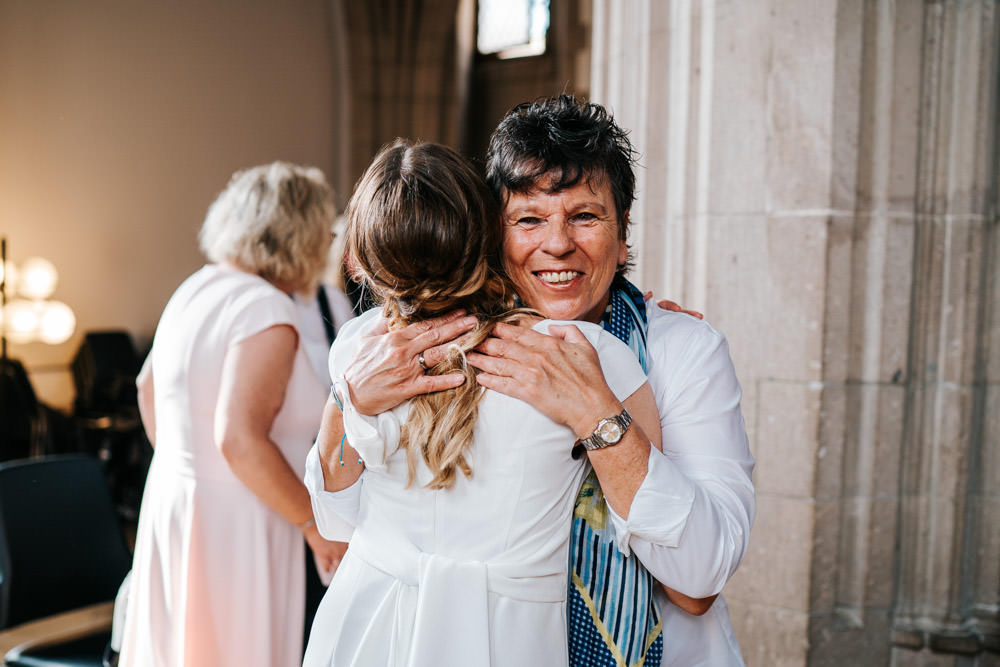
[
  {"x": 693, "y": 606},
  {"x": 144, "y": 393},
  {"x": 255, "y": 376},
  {"x": 334, "y": 450}
]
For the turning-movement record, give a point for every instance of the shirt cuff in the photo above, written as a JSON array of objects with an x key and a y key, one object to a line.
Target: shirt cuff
[
  {"x": 374, "y": 438},
  {"x": 335, "y": 512},
  {"x": 660, "y": 508}
]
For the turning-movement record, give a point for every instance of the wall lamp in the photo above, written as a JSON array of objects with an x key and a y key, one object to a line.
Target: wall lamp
[{"x": 31, "y": 316}]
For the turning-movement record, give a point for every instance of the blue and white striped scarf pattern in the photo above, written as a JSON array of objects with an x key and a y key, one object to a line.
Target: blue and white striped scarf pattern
[{"x": 613, "y": 618}]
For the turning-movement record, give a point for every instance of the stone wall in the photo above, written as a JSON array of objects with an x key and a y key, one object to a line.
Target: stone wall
[{"x": 821, "y": 179}]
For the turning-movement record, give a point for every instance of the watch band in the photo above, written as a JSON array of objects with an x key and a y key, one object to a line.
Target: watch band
[{"x": 609, "y": 431}]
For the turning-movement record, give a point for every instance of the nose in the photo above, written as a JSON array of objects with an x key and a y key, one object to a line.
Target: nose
[{"x": 558, "y": 239}]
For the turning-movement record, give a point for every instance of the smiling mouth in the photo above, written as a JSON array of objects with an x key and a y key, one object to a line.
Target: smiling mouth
[{"x": 557, "y": 277}]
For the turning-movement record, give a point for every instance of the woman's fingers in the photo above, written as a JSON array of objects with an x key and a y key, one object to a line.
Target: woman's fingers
[
  {"x": 568, "y": 332},
  {"x": 673, "y": 306},
  {"x": 387, "y": 371},
  {"x": 431, "y": 383},
  {"x": 438, "y": 329},
  {"x": 434, "y": 342}
]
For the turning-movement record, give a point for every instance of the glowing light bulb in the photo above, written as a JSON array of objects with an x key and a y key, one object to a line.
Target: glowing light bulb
[
  {"x": 22, "y": 320},
  {"x": 38, "y": 278},
  {"x": 10, "y": 270},
  {"x": 56, "y": 323}
]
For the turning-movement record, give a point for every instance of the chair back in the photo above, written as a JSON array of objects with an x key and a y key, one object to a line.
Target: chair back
[{"x": 61, "y": 543}]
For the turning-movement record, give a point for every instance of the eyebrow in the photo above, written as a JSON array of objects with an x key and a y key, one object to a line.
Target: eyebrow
[{"x": 522, "y": 210}]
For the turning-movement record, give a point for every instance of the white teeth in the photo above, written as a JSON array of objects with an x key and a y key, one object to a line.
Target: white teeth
[{"x": 558, "y": 276}]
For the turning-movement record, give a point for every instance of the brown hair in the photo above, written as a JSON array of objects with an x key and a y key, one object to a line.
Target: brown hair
[{"x": 423, "y": 231}]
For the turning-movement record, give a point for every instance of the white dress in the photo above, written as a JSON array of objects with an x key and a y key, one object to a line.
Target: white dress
[
  {"x": 471, "y": 576},
  {"x": 217, "y": 577}
]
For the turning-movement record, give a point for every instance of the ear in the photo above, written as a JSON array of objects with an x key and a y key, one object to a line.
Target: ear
[{"x": 623, "y": 244}]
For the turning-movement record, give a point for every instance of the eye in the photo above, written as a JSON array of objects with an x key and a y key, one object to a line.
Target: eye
[
  {"x": 528, "y": 221},
  {"x": 583, "y": 218}
]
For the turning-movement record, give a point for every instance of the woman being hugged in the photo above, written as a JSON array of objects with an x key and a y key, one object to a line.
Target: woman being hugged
[
  {"x": 233, "y": 405},
  {"x": 459, "y": 555}
]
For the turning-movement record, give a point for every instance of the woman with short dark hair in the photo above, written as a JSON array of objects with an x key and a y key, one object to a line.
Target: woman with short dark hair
[
  {"x": 563, "y": 172},
  {"x": 460, "y": 550}
]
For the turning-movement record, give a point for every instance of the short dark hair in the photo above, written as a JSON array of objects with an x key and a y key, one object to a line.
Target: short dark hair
[{"x": 569, "y": 138}]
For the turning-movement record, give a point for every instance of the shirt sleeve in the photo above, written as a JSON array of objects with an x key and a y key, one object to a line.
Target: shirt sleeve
[
  {"x": 261, "y": 306},
  {"x": 335, "y": 512},
  {"x": 690, "y": 520}
]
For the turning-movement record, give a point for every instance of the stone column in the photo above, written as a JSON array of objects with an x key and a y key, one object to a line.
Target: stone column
[
  {"x": 949, "y": 532},
  {"x": 820, "y": 178}
]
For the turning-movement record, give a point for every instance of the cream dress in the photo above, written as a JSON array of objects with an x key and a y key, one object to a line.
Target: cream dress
[
  {"x": 471, "y": 576},
  {"x": 217, "y": 576}
]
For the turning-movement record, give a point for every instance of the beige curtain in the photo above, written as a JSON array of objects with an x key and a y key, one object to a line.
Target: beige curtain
[{"x": 407, "y": 68}]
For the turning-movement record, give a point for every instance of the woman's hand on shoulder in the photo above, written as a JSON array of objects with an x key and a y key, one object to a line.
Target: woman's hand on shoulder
[
  {"x": 673, "y": 306},
  {"x": 558, "y": 374},
  {"x": 387, "y": 369}
]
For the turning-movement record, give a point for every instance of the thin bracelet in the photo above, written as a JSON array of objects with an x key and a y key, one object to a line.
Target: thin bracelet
[
  {"x": 336, "y": 398},
  {"x": 306, "y": 524},
  {"x": 342, "y": 438}
]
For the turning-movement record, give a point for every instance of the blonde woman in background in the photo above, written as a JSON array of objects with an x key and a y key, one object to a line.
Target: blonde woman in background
[{"x": 233, "y": 403}]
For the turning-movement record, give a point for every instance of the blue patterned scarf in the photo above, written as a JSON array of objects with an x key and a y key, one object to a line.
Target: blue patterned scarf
[{"x": 613, "y": 618}]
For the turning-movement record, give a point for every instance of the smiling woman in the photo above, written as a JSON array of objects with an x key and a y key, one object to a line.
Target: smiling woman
[
  {"x": 563, "y": 247},
  {"x": 669, "y": 530},
  {"x": 462, "y": 532}
]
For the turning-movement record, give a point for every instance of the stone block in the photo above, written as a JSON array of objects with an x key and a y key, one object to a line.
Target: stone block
[
  {"x": 953, "y": 295},
  {"x": 833, "y": 424},
  {"x": 796, "y": 270},
  {"x": 925, "y": 658},
  {"x": 825, "y": 557},
  {"x": 832, "y": 644},
  {"x": 770, "y": 636},
  {"x": 907, "y": 36},
  {"x": 897, "y": 286},
  {"x": 838, "y": 302},
  {"x": 766, "y": 286},
  {"x": 777, "y": 564},
  {"x": 865, "y": 557},
  {"x": 889, "y": 109},
  {"x": 985, "y": 561},
  {"x": 737, "y": 296},
  {"x": 739, "y": 128},
  {"x": 799, "y": 105},
  {"x": 873, "y": 437},
  {"x": 786, "y": 444},
  {"x": 846, "y": 123},
  {"x": 882, "y": 530},
  {"x": 989, "y": 464}
]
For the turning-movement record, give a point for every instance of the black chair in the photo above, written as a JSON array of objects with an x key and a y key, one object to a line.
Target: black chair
[
  {"x": 104, "y": 371},
  {"x": 20, "y": 417},
  {"x": 62, "y": 558}
]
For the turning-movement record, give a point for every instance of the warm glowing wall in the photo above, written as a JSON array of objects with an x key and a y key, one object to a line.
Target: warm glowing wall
[{"x": 119, "y": 121}]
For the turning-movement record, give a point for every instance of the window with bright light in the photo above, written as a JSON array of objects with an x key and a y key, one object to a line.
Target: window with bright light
[{"x": 513, "y": 28}]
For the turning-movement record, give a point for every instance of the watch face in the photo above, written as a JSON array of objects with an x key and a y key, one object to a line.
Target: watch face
[{"x": 609, "y": 431}]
